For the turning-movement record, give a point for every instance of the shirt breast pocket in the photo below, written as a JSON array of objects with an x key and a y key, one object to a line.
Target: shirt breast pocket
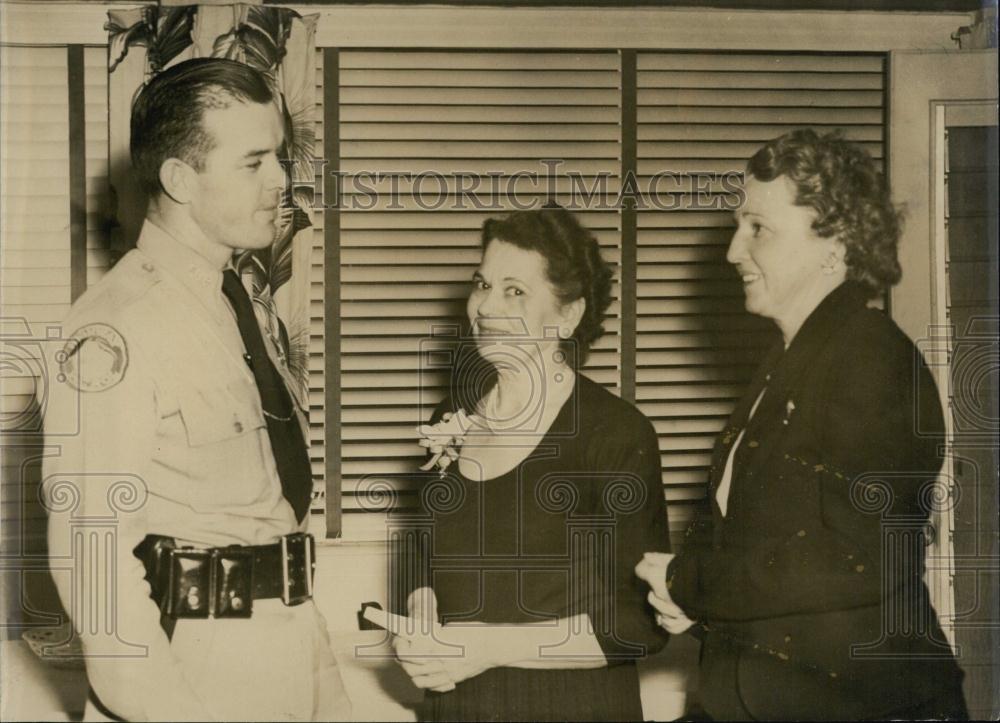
[
  {"x": 225, "y": 447},
  {"x": 217, "y": 415}
]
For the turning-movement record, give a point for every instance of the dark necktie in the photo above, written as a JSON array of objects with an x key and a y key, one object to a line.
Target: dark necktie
[{"x": 290, "y": 453}]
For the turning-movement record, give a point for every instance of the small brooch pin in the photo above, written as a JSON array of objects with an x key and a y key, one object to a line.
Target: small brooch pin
[{"x": 789, "y": 408}]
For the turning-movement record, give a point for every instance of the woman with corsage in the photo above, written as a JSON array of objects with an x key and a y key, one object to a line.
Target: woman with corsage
[
  {"x": 551, "y": 487},
  {"x": 805, "y": 576}
]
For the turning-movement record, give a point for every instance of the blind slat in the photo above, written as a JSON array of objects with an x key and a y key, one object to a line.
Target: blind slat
[
  {"x": 757, "y": 132},
  {"x": 572, "y": 97},
  {"x": 479, "y": 61},
  {"x": 484, "y": 130},
  {"x": 520, "y": 186},
  {"x": 759, "y": 62},
  {"x": 714, "y": 149},
  {"x": 754, "y": 98},
  {"x": 479, "y": 78},
  {"x": 765, "y": 114},
  {"x": 486, "y": 167},
  {"x": 477, "y": 149},
  {"x": 427, "y": 112},
  {"x": 729, "y": 80},
  {"x": 442, "y": 238}
]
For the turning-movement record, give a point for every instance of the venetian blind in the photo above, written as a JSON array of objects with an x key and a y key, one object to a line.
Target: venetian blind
[
  {"x": 99, "y": 209},
  {"x": 35, "y": 218},
  {"x": 698, "y": 113},
  {"x": 408, "y": 257},
  {"x": 317, "y": 316},
  {"x": 34, "y": 268},
  {"x": 40, "y": 92}
]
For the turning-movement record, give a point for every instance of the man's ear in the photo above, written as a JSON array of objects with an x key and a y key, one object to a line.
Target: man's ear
[{"x": 178, "y": 180}]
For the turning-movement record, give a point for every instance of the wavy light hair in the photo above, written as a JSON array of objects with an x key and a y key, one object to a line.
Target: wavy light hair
[{"x": 840, "y": 181}]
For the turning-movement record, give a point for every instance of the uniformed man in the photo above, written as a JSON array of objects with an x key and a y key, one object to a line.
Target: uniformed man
[{"x": 178, "y": 478}]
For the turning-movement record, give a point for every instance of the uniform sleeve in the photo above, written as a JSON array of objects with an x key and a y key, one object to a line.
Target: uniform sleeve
[
  {"x": 632, "y": 492},
  {"x": 100, "y": 418},
  {"x": 869, "y": 450}
]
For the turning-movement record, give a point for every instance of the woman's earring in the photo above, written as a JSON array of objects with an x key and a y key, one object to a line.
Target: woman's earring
[{"x": 830, "y": 265}]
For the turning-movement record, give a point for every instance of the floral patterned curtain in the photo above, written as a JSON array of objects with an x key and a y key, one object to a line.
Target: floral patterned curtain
[{"x": 281, "y": 44}]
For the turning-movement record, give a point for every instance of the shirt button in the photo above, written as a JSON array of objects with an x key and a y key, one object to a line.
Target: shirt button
[
  {"x": 238, "y": 426},
  {"x": 754, "y": 443},
  {"x": 147, "y": 266}
]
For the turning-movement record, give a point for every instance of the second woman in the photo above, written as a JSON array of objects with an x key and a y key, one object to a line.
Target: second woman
[{"x": 555, "y": 491}]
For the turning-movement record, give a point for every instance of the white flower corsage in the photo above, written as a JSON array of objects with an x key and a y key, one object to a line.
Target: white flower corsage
[{"x": 444, "y": 439}]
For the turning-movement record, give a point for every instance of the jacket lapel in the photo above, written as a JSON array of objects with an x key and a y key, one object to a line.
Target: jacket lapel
[
  {"x": 781, "y": 372},
  {"x": 737, "y": 421}
]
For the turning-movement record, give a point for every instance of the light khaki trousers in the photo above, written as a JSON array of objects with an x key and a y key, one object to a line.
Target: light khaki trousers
[{"x": 276, "y": 665}]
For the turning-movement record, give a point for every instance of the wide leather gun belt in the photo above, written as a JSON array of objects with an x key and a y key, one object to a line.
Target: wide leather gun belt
[{"x": 223, "y": 582}]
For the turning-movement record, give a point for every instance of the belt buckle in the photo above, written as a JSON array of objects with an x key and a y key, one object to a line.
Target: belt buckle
[{"x": 297, "y": 567}]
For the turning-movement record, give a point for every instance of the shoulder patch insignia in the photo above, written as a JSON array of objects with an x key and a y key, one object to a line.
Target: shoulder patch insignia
[{"x": 94, "y": 359}]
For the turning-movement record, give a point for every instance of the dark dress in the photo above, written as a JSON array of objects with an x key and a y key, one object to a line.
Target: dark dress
[
  {"x": 557, "y": 536},
  {"x": 810, "y": 587}
]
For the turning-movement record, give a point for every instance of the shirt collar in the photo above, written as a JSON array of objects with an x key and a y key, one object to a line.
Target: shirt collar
[{"x": 192, "y": 270}]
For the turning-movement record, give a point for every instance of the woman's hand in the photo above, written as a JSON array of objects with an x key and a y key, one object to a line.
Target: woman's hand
[
  {"x": 653, "y": 569},
  {"x": 435, "y": 656},
  {"x": 450, "y": 654},
  {"x": 415, "y": 650},
  {"x": 422, "y": 658},
  {"x": 668, "y": 615}
]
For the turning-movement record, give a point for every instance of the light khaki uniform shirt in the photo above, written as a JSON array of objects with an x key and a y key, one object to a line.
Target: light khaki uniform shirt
[{"x": 153, "y": 426}]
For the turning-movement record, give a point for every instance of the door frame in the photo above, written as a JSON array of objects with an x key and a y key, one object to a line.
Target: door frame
[{"x": 929, "y": 90}]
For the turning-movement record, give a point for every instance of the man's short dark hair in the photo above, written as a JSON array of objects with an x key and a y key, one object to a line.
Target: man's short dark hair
[{"x": 168, "y": 114}]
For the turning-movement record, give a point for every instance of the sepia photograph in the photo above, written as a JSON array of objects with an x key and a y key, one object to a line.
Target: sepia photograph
[{"x": 502, "y": 360}]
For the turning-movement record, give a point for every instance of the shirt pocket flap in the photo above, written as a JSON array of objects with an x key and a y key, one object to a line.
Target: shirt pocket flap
[{"x": 215, "y": 415}]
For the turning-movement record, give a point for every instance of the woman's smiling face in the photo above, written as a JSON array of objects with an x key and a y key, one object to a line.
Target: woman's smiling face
[
  {"x": 778, "y": 254},
  {"x": 512, "y": 296}
]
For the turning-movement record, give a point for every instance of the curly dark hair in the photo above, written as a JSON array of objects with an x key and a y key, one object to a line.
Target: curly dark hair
[
  {"x": 573, "y": 265},
  {"x": 840, "y": 181}
]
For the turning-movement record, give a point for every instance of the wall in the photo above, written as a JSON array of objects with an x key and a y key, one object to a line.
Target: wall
[{"x": 386, "y": 25}]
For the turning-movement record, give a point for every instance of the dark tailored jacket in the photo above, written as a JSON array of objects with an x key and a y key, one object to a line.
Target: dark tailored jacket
[{"x": 809, "y": 591}]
